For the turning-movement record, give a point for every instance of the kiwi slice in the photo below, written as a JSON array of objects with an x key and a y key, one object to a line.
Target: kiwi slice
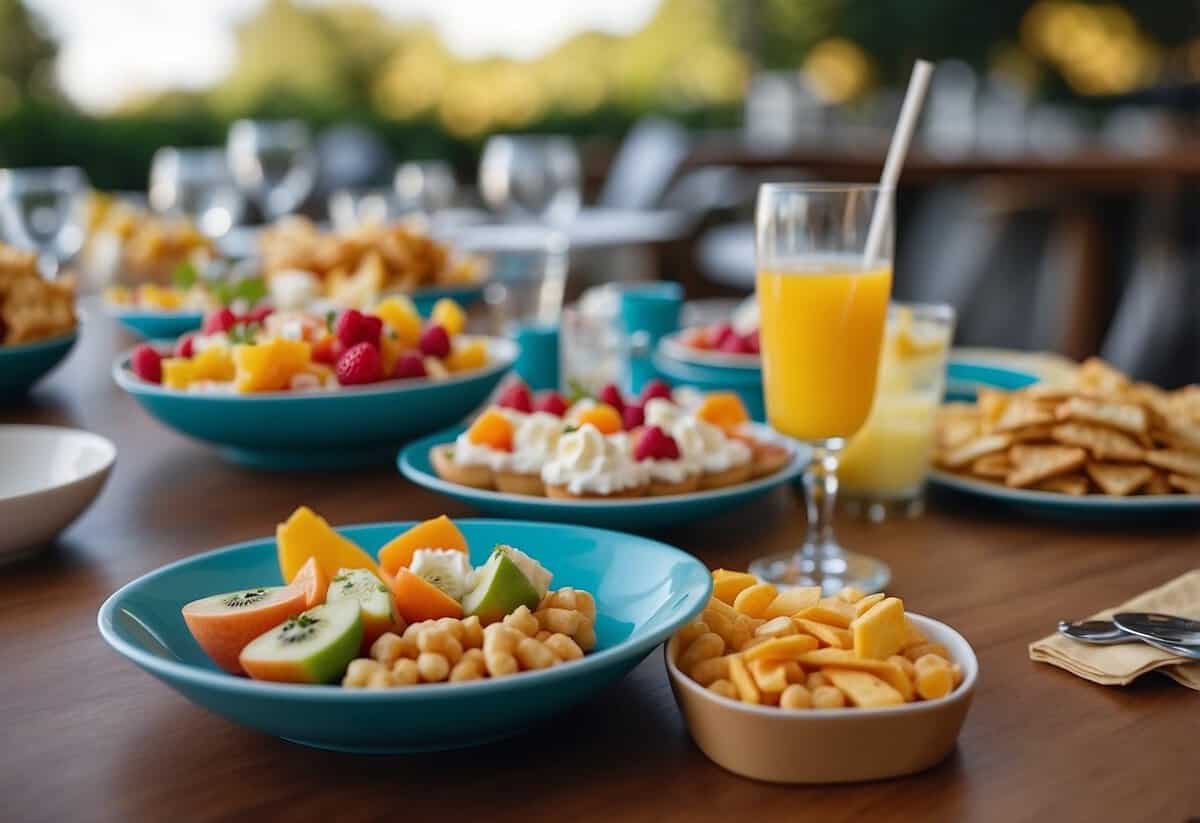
[
  {"x": 313, "y": 647},
  {"x": 368, "y": 591}
]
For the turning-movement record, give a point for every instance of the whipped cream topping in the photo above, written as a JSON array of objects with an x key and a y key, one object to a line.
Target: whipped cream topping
[
  {"x": 585, "y": 461},
  {"x": 663, "y": 413},
  {"x": 708, "y": 446},
  {"x": 534, "y": 440}
]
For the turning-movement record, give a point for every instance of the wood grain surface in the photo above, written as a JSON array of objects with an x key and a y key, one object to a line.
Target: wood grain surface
[{"x": 88, "y": 736}]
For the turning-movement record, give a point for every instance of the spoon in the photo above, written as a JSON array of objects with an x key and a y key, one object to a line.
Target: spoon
[
  {"x": 1108, "y": 633},
  {"x": 1177, "y": 635}
]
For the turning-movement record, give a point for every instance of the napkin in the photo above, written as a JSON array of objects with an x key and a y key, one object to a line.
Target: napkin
[{"x": 1118, "y": 665}]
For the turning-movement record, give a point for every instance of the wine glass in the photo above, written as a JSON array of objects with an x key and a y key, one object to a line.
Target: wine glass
[
  {"x": 40, "y": 208},
  {"x": 427, "y": 186},
  {"x": 196, "y": 183},
  {"x": 273, "y": 162},
  {"x": 528, "y": 177},
  {"x": 823, "y": 310}
]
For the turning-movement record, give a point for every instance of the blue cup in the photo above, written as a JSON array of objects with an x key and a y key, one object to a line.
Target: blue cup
[
  {"x": 649, "y": 311},
  {"x": 537, "y": 363}
]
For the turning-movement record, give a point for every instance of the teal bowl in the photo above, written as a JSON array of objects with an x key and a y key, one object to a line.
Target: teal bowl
[
  {"x": 424, "y": 299},
  {"x": 636, "y": 513},
  {"x": 157, "y": 325},
  {"x": 24, "y": 364},
  {"x": 746, "y": 383},
  {"x": 644, "y": 590},
  {"x": 353, "y": 426}
]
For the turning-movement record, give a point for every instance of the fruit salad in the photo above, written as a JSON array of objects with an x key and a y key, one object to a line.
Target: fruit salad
[
  {"x": 739, "y": 335},
  {"x": 419, "y": 613},
  {"x": 798, "y": 650},
  {"x": 264, "y": 350},
  {"x": 610, "y": 445}
]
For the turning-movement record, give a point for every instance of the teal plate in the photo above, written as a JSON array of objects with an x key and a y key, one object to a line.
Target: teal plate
[
  {"x": 1097, "y": 508},
  {"x": 644, "y": 590},
  {"x": 626, "y": 513},
  {"x": 157, "y": 325},
  {"x": 352, "y": 426},
  {"x": 24, "y": 364},
  {"x": 964, "y": 379}
]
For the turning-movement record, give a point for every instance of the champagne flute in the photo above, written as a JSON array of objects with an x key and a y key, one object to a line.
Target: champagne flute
[
  {"x": 196, "y": 183},
  {"x": 529, "y": 177},
  {"x": 40, "y": 208},
  {"x": 823, "y": 312},
  {"x": 273, "y": 162},
  {"x": 426, "y": 186}
]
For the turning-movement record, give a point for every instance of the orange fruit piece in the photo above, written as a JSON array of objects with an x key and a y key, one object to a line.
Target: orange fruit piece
[
  {"x": 493, "y": 429},
  {"x": 306, "y": 535},
  {"x": 438, "y": 533},
  {"x": 313, "y": 581},
  {"x": 417, "y": 599},
  {"x": 401, "y": 315},
  {"x": 604, "y": 417},
  {"x": 723, "y": 409}
]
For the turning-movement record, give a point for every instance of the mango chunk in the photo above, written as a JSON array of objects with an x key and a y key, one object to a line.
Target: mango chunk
[
  {"x": 864, "y": 689},
  {"x": 270, "y": 365},
  {"x": 727, "y": 584},
  {"x": 880, "y": 632},
  {"x": 449, "y": 315}
]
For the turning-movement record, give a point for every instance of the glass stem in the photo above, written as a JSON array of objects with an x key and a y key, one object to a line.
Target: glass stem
[
  {"x": 48, "y": 265},
  {"x": 821, "y": 487}
]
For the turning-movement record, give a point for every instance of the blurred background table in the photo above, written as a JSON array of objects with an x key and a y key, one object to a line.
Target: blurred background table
[{"x": 116, "y": 744}]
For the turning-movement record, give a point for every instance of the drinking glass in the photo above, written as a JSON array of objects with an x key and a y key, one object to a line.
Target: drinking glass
[
  {"x": 426, "y": 186},
  {"x": 527, "y": 272},
  {"x": 527, "y": 177},
  {"x": 196, "y": 183},
  {"x": 351, "y": 208},
  {"x": 41, "y": 208},
  {"x": 884, "y": 466},
  {"x": 823, "y": 308},
  {"x": 273, "y": 162}
]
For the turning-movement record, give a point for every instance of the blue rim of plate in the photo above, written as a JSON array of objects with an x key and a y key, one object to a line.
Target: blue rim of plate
[
  {"x": 183, "y": 671},
  {"x": 671, "y": 347},
  {"x": 502, "y": 353},
  {"x": 1088, "y": 502},
  {"x": 133, "y": 313},
  {"x": 431, "y": 481},
  {"x": 707, "y": 376},
  {"x": 40, "y": 345}
]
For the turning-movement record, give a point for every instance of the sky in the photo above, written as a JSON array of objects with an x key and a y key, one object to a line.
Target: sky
[{"x": 111, "y": 50}]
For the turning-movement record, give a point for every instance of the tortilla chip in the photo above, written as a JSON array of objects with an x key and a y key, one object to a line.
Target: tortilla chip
[
  {"x": 1179, "y": 435},
  {"x": 1104, "y": 444},
  {"x": 995, "y": 466},
  {"x": 955, "y": 432},
  {"x": 1187, "y": 485},
  {"x": 1175, "y": 461},
  {"x": 1036, "y": 463},
  {"x": 1119, "y": 479},
  {"x": 1127, "y": 417},
  {"x": 975, "y": 448},
  {"x": 1033, "y": 434},
  {"x": 1098, "y": 376},
  {"x": 1076, "y": 485},
  {"x": 1158, "y": 484},
  {"x": 1021, "y": 412},
  {"x": 991, "y": 403}
]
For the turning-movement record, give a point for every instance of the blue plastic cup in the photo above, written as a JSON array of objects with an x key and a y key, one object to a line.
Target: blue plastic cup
[
  {"x": 538, "y": 362},
  {"x": 649, "y": 311}
]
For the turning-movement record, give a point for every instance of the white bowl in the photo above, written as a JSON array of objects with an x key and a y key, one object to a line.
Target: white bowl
[
  {"x": 48, "y": 476},
  {"x": 829, "y": 745}
]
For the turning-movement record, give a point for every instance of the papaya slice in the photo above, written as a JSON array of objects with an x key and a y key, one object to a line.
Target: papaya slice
[
  {"x": 306, "y": 534},
  {"x": 312, "y": 580},
  {"x": 438, "y": 533},
  {"x": 417, "y": 599}
]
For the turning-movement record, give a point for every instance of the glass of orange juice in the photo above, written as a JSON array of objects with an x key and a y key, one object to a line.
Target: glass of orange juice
[{"x": 823, "y": 309}]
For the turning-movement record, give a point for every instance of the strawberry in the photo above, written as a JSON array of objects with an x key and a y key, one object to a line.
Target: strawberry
[
  {"x": 355, "y": 327},
  {"x": 656, "y": 388},
  {"x": 516, "y": 396},
  {"x": 185, "y": 346},
  {"x": 551, "y": 402},
  {"x": 146, "y": 363},
  {"x": 718, "y": 333},
  {"x": 633, "y": 416},
  {"x": 655, "y": 444},
  {"x": 435, "y": 342},
  {"x": 736, "y": 344},
  {"x": 752, "y": 342},
  {"x": 610, "y": 394},
  {"x": 360, "y": 364},
  {"x": 258, "y": 315},
  {"x": 408, "y": 366},
  {"x": 222, "y": 320}
]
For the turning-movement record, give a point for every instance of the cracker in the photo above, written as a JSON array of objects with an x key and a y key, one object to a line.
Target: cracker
[
  {"x": 1020, "y": 413},
  {"x": 1158, "y": 484},
  {"x": 1119, "y": 479},
  {"x": 1075, "y": 485},
  {"x": 975, "y": 448},
  {"x": 1103, "y": 443},
  {"x": 994, "y": 466},
  {"x": 992, "y": 403},
  {"x": 1036, "y": 463},
  {"x": 1175, "y": 461},
  {"x": 1127, "y": 417},
  {"x": 1098, "y": 376},
  {"x": 1187, "y": 485},
  {"x": 956, "y": 432},
  {"x": 1033, "y": 434},
  {"x": 1180, "y": 435}
]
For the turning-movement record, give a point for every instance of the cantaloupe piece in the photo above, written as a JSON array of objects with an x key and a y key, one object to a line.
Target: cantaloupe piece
[
  {"x": 312, "y": 580},
  {"x": 270, "y": 365},
  {"x": 492, "y": 429},
  {"x": 880, "y": 632},
  {"x": 604, "y": 417},
  {"x": 438, "y": 533},
  {"x": 724, "y": 409},
  {"x": 417, "y": 599},
  {"x": 306, "y": 534},
  {"x": 224, "y": 624}
]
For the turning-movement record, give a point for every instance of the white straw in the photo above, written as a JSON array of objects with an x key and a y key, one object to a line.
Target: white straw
[{"x": 914, "y": 98}]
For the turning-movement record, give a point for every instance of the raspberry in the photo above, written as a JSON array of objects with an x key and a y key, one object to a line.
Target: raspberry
[
  {"x": 516, "y": 396},
  {"x": 655, "y": 444},
  {"x": 146, "y": 363},
  {"x": 435, "y": 342},
  {"x": 610, "y": 394},
  {"x": 185, "y": 346},
  {"x": 656, "y": 388},
  {"x": 633, "y": 416},
  {"x": 408, "y": 366},
  {"x": 551, "y": 402},
  {"x": 258, "y": 315},
  {"x": 360, "y": 364},
  {"x": 355, "y": 327},
  {"x": 718, "y": 334},
  {"x": 222, "y": 320},
  {"x": 736, "y": 344},
  {"x": 752, "y": 341}
]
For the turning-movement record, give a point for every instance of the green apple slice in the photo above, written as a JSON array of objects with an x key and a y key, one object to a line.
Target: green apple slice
[
  {"x": 374, "y": 598},
  {"x": 314, "y": 647},
  {"x": 499, "y": 587}
]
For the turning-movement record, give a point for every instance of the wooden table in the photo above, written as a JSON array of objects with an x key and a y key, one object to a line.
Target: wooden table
[{"x": 88, "y": 736}]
